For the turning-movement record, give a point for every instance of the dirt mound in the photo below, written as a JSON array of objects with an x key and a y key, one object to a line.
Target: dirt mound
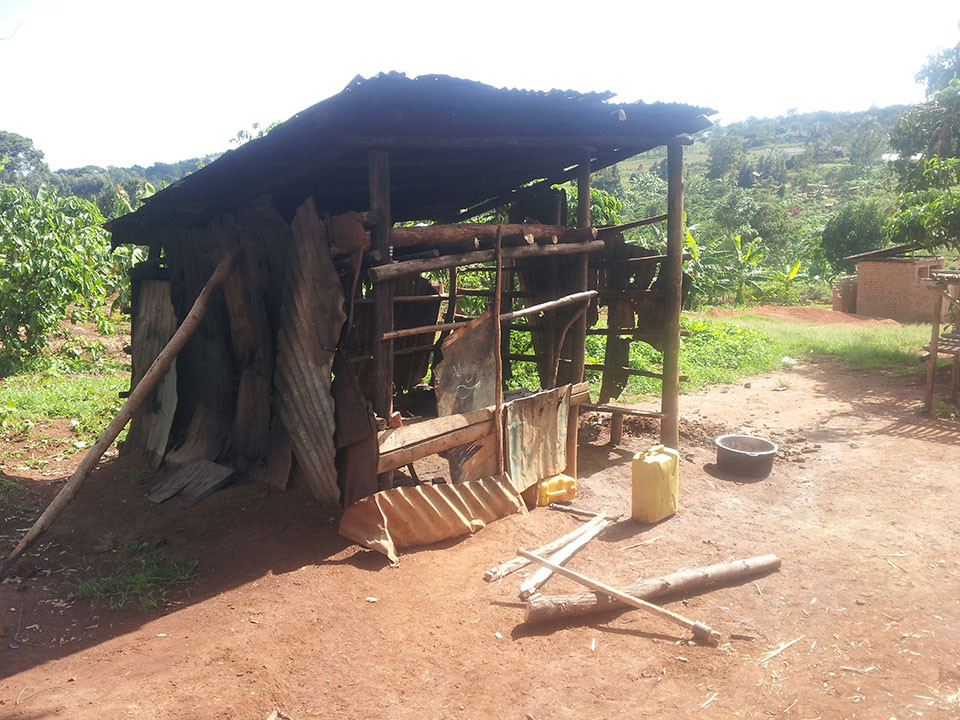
[{"x": 803, "y": 313}]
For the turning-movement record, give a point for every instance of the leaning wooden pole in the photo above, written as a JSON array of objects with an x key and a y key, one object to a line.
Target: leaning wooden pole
[
  {"x": 673, "y": 267},
  {"x": 156, "y": 371}
]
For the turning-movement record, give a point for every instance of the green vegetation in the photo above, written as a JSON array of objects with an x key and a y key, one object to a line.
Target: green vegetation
[
  {"x": 85, "y": 399},
  {"x": 132, "y": 569},
  {"x": 894, "y": 347}
]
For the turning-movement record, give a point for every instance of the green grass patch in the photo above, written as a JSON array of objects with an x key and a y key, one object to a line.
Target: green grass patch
[
  {"x": 132, "y": 570},
  {"x": 87, "y": 400},
  {"x": 884, "y": 347},
  {"x": 718, "y": 352}
]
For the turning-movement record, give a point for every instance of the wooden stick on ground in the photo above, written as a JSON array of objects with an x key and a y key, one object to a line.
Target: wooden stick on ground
[
  {"x": 700, "y": 631},
  {"x": 160, "y": 366},
  {"x": 536, "y": 581},
  {"x": 685, "y": 582},
  {"x": 511, "y": 566}
]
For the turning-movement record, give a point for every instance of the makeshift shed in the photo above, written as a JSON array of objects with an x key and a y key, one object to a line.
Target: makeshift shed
[
  {"x": 349, "y": 223},
  {"x": 890, "y": 283}
]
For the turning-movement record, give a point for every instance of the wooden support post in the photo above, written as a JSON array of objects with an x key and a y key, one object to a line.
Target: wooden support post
[
  {"x": 616, "y": 428},
  {"x": 379, "y": 171},
  {"x": 143, "y": 389},
  {"x": 578, "y": 333},
  {"x": 673, "y": 267},
  {"x": 506, "y": 328},
  {"x": 379, "y": 181},
  {"x": 934, "y": 347},
  {"x": 498, "y": 356}
]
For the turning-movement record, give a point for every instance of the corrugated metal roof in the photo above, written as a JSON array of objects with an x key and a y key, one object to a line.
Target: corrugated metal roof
[{"x": 453, "y": 144}]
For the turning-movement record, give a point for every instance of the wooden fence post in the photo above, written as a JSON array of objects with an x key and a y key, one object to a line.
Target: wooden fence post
[{"x": 673, "y": 267}]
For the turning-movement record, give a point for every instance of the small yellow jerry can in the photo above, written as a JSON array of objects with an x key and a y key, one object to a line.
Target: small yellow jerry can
[
  {"x": 559, "y": 488},
  {"x": 655, "y": 477}
]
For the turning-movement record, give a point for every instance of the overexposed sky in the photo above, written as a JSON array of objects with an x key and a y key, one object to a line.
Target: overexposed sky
[{"x": 122, "y": 82}]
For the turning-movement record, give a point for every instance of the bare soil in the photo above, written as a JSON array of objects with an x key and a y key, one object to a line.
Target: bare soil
[
  {"x": 804, "y": 313},
  {"x": 860, "y": 507}
]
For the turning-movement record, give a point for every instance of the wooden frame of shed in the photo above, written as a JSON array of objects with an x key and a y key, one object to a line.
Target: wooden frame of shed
[{"x": 327, "y": 314}]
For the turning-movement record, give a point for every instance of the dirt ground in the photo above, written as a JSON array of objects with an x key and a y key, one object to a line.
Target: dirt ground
[
  {"x": 861, "y": 508},
  {"x": 803, "y": 313}
]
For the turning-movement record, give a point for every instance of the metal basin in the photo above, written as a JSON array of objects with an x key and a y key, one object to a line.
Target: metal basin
[{"x": 745, "y": 455}]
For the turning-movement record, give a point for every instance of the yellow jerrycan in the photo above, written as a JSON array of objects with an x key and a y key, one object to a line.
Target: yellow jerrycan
[
  {"x": 655, "y": 479},
  {"x": 559, "y": 488}
]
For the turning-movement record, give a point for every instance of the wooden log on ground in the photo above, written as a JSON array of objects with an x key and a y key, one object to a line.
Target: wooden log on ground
[
  {"x": 157, "y": 370},
  {"x": 536, "y": 581},
  {"x": 379, "y": 188},
  {"x": 700, "y": 631},
  {"x": 525, "y": 233},
  {"x": 685, "y": 582},
  {"x": 518, "y": 563}
]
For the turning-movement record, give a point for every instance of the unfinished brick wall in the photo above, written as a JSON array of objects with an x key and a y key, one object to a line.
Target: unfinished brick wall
[{"x": 896, "y": 288}]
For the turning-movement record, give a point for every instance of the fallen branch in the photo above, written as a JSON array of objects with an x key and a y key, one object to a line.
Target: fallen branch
[{"x": 685, "y": 582}]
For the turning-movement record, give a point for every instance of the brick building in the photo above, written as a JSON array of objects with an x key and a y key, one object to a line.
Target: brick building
[{"x": 889, "y": 285}]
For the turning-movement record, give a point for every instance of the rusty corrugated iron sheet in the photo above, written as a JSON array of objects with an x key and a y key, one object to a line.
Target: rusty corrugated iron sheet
[
  {"x": 410, "y": 516},
  {"x": 310, "y": 322},
  {"x": 536, "y": 436}
]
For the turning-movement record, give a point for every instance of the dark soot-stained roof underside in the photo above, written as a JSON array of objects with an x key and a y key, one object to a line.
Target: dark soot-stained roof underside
[{"x": 454, "y": 144}]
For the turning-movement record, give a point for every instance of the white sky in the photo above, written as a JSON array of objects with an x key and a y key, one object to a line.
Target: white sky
[{"x": 119, "y": 82}]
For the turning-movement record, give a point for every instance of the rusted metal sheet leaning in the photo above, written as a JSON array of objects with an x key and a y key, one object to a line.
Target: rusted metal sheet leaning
[
  {"x": 310, "y": 323},
  {"x": 409, "y": 516}
]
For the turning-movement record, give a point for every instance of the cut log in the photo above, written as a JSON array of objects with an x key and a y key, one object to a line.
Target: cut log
[
  {"x": 518, "y": 563},
  {"x": 685, "y": 582},
  {"x": 700, "y": 631},
  {"x": 536, "y": 581}
]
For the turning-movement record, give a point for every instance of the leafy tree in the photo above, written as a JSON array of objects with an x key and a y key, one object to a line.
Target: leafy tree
[
  {"x": 940, "y": 69},
  {"x": 928, "y": 141},
  {"x": 605, "y": 209},
  {"x": 56, "y": 264},
  {"x": 855, "y": 229},
  {"x": 867, "y": 143},
  {"x": 725, "y": 154},
  {"x": 24, "y": 163}
]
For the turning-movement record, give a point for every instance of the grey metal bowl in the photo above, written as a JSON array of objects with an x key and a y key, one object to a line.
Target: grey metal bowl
[{"x": 745, "y": 455}]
